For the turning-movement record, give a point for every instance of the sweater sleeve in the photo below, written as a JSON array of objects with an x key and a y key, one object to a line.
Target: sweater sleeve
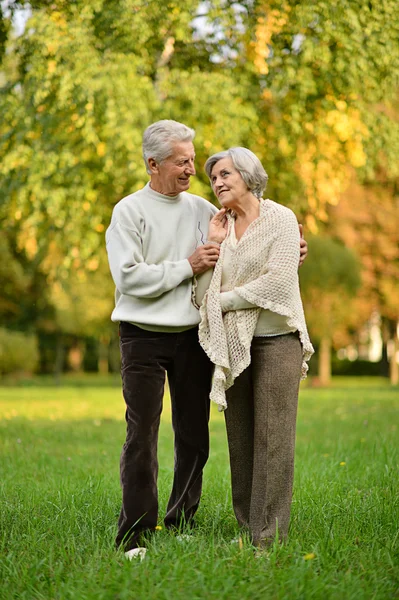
[
  {"x": 232, "y": 301},
  {"x": 202, "y": 284},
  {"x": 132, "y": 275}
]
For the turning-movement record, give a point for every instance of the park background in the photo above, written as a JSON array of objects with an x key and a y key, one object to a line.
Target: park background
[{"x": 312, "y": 88}]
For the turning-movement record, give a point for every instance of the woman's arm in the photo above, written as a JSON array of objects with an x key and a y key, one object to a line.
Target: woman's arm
[
  {"x": 201, "y": 284},
  {"x": 232, "y": 301}
]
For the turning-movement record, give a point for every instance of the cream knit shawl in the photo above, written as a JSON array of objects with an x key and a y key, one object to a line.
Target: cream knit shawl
[{"x": 265, "y": 264}]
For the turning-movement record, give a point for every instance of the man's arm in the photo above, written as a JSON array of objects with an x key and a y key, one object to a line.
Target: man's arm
[{"x": 134, "y": 277}]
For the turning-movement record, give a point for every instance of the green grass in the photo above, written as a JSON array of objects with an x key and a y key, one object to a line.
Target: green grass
[{"x": 60, "y": 500}]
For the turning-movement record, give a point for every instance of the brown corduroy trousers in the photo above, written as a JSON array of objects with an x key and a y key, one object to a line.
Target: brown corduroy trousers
[
  {"x": 146, "y": 357},
  {"x": 261, "y": 423}
]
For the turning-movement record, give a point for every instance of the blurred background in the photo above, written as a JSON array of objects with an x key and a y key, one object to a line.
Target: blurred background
[{"x": 310, "y": 86}]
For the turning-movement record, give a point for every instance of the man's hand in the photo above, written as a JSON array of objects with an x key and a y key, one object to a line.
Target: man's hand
[
  {"x": 205, "y": 257},
  {"x": 218, "y": 227},
  {"x": 303, "y": 247}
]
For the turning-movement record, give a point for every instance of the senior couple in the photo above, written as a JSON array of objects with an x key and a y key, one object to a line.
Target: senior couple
[{"x": 212, "y": 299}]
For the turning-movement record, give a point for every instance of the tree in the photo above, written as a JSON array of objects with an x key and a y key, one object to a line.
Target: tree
[
  {"x": 367, "y": 220},
  {"x": 328, "y": 281},
  {"x": 325, "y": 76},
  {"x": 84, "y": 79},
  {"x": 76, "y": 107}
]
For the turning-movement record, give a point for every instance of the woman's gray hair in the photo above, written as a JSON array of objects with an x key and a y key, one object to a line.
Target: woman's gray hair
[
  {"x": 159, "y": 137},
  {"x": 247, "y": 164}
]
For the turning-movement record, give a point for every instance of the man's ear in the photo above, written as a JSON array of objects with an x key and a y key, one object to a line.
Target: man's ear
[{"x": 152, "y": 163}]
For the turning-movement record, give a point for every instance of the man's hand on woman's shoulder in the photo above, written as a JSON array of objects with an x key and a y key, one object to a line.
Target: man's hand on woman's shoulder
[{"x": 303, "y": 247}]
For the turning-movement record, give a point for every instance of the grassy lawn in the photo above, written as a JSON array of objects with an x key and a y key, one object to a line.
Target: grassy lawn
[{"x": 60, "y": 500}]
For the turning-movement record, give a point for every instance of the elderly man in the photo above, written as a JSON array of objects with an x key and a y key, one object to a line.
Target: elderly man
[{"x": 156, "y": 242}]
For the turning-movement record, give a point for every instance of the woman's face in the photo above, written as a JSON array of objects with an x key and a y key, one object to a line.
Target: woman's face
[{"x": 227, "y": 183}]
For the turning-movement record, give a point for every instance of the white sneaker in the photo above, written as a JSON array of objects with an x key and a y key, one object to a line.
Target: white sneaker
[{"x": 136, "y": 553}]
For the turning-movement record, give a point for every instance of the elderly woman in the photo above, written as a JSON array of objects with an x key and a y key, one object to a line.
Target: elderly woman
[{"x": 253, "y": 329}]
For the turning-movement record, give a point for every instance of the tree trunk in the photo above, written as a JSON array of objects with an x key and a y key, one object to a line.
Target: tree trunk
[
  {"x": 393, "y": 363},
  {"x": 103, "y": 351},
  {"x": 59, "y": 358},
  {"x": 75, "y": 357},
  {"x": 384, "y": 364},
  {"x": 325, "y": 361}
]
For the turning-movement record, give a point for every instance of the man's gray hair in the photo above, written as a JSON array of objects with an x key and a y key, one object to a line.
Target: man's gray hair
[
  {"x": 247, "y": 164},
  {"x": 159, "y": 137}
]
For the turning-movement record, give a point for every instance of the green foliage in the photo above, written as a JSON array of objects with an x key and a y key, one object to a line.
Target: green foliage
[
  {"x": 89, "y": 79},
  {"x": 310, "y": 86},
  {"x": 325, "y": 76},
  {"x": 18, "y": 352},
  {"x": 15, "y": 282},
  {"x": 329, "y": 281},
  {"x": 84, "y": 301},
  {"x": 333, "y": 268}
]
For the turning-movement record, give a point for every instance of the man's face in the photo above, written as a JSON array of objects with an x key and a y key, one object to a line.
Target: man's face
[{"x": 172, "y": 176}]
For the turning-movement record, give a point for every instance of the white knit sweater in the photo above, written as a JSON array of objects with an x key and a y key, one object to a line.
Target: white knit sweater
[
  {"x": 266, "y": 275},
  {"x": 149, "y": 240}
]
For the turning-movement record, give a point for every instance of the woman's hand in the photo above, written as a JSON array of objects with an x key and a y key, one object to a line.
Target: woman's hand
[{"x": 218, "y": 227}]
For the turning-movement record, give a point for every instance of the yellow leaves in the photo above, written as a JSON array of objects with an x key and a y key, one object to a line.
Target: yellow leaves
[
  {"x": 356, "y": 153},
  {"x": 267, "y": 95},
  {"x": 264, "y": 31},
  {"x": 93, "y": 264},
  {"x": 51, "y": 66},
  {"x": 340, "y": 123},
  {"x": 347, "y": 125},
  {"x": 51, "y": 47},
  {"x": 263, "y": 35},
  {"x": 311, "y": 224},
  {"x": 18, "y": 215},
  {"x": 325, "y": 161},
  {"x": 41, "y": 108},
  {"x": 58, "y": 18},
  {"x": 324, "y": 179},
  {"x": 101, "y": 149},
  {"x": 30, "y": 247},
  {"x": 284, "y": 146},
  {"x": 341, "y": 104},
  {"x": 74, "y": 117},
  {"x": 100, "y": 228}
]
